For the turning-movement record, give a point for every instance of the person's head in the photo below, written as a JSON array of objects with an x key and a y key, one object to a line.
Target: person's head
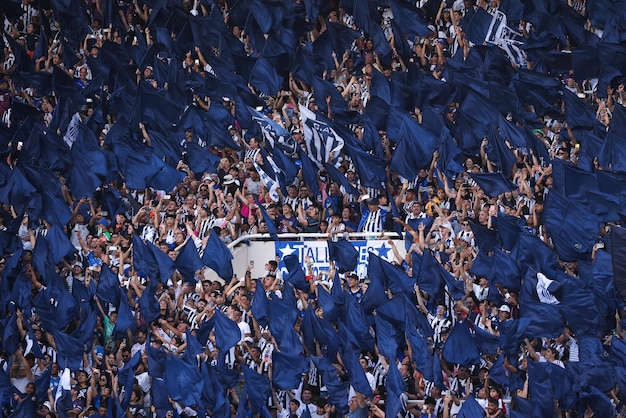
[
  {"x": 492, "y": 406},
  {"x": 353, "y": 280},
  {"x": 494, "y": 392},
  {"x": 135, "y": 395},
  {"x": 354, "y": 404},
  {"x": 504, "y": 312},
  {"x": 31, "y": 389},
  {"x": 405, "y": 370},
  {"x": 236, "y": 315},
  {"x": 77, "y": 268},
  {"x": 463, "y": 373},
  {"x": 103, "y": 409},
  {"x": 441, "y": 308},
  {"x": 429, "y": 404},
  {"x": 312, "y": 211},
  {"x": 220, "y": 299},
  {"x": 444, "y": 229},
  {"x": 298, "y": 136},
  {"x": 320, "y": 403},
  {"x": 141, "y": 336},
  {"x": 179, "y": 236},
  {"x": 472, "y": 302},
  {"x": 81, "y": 376},
  {"x": 551, "y": 354},
  {"x": 294, "y": 404},
  {"x": 307, "y": 396}
]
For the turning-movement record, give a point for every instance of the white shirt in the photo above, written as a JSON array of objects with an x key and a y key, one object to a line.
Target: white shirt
[{"x": 244, "y": 328}]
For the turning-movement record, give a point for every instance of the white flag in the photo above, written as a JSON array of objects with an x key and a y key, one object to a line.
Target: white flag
[
  {"x": 543, "y": 283},
  {"x": 65, "y": 384},
  {"x": 271, "y": 184},
  {"x": 320, "y": 138}
]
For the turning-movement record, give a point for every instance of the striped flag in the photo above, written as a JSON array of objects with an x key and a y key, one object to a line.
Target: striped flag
[
  {"x": 271, "y": 184},
  {"x": 321, "y": 139},
  {"x": 275, "y": 135}
]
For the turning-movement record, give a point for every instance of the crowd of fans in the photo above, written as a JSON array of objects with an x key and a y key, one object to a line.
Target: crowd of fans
[{"x": 228, "y": 202}]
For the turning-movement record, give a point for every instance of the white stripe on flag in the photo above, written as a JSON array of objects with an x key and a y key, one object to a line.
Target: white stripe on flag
[{"x": 272, "y": 185}]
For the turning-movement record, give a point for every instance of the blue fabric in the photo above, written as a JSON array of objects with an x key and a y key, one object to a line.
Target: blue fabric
[
  {"x": 218, "y": 257},
  {"x": 188, "y": 262},
  {"x": 460, "y": 347},
  {"x": 344, "y": 255},
  {"x": 181, "y": 380}
]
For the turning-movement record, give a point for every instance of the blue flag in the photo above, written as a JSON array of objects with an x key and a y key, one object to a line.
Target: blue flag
[
  {"x": 460, "y": 347},
  {"x": 218, "y": 257},
  {"x": 572, "y": 227},
  {"x": 409, "y": 19},
  {"x": 340, "y": 179},
  {"x": 493, "y": 184},
  {"x": 125, "y": 319},
  {"x": 260, "y": 304},
  {"x": 288, "y": 369},
  {"x": 143, "y": 259},
  {"x": 271, "y": 226},
  {"x": 188, "y": 261},
  {"x": 414, "y": 150},
  {"x": 182, "y": 381},
  {"x": 375, "y": 294},
  {"x": 544, "y": 320},
  {"x": 344, "y": 255},
  {"x": 394, "y": 277},
  {"x": 258, "y": 388},
  {"x": 126, "y": 376},
  {"x": 226, "y": 331},
  {"x": 70, "y": 351},
  {"x": 148, "y": 303},
  {"x": 427, "y": 273},
  {"x": 295, "y": 274},
  {"x": 107, "y": 286},
  {"x": 395, "y": 386},
  {"x": 470, "y": 409},
  {"x": 326, "y": 302},
  {"x": 265, "y": 78}
]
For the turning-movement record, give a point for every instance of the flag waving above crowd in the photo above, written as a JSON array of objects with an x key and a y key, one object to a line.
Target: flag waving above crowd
[{"x": 144, "y": 142}]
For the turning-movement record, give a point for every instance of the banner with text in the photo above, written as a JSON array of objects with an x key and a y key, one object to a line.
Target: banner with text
[{"x": 316, "y": 252}]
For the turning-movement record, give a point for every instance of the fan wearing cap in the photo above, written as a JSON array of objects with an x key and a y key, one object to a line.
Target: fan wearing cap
[
  {"x": 148, "y": 74},
  {"x": 74, "y": 276},
  {"x": 230, "y": 184},
  {"x": 373, "y": 219},
  {"x": 191, "y": 136},
  {"x": 441, "y": 236}
]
